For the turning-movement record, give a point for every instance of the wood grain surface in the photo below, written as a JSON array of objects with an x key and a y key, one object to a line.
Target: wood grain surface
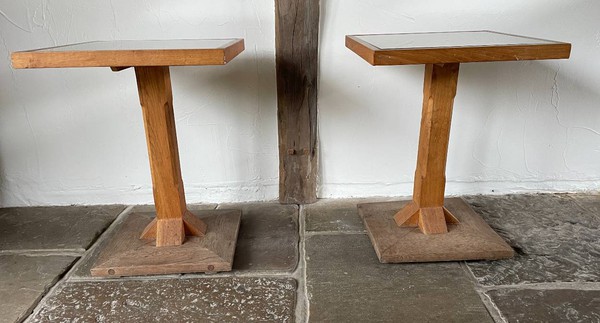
[
  {"x": 112, "y": 56},
  {"x": 297, "y": 39},
  {"x": 156, "y": 98},
  {"x": 427, "y": 209},
  {"x": 471, "y": 239},
  {"x": 127, "y": 255},
  {"x": 458, "y": 54}
]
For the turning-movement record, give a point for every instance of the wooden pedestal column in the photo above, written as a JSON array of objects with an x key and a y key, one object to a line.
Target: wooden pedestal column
[
  {"x": 427, "y": 208},
  {"x": 173, "y": 221}
]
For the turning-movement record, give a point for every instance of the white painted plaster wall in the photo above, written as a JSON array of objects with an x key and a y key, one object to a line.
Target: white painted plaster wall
[
  {"x": 517, "y": 126},
  {"x": 76, "y": 136}
]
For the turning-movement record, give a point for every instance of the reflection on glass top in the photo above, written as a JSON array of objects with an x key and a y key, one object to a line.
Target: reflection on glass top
[
  {"x": 448, "y": 39},
  {"x": 144, "y": 45}
]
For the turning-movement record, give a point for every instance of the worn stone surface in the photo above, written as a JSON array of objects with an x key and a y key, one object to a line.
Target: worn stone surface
[
  {"x": 173, "y": 300},
  {"x": 346, "y": 283},
  {"x": 268, "y": 237},
  {"x": 24, "y": 280},
  {"x": 556, "y": 240},
  {"x": 554, "y": 305},
  {"x": 336, "y": 215},
  {"x": 64, "y": 227},
  {"x": 591, "y": 202},
  {"x": 82, "y": 268},
  {"x": 150, "y": 207}
]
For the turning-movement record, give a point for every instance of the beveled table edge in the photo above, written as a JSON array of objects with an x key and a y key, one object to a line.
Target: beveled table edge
[
  {"x": 457, "y": 54},
  {"x": 39, "y": 58}
]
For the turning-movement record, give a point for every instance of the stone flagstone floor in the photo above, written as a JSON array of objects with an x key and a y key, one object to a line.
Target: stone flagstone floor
[{"x": 311, "y": 263}]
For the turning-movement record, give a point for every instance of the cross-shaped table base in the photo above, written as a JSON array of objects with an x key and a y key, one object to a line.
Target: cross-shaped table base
[
  {"x": 472, "y": 239},
  {"x": 128, "y": 255}
]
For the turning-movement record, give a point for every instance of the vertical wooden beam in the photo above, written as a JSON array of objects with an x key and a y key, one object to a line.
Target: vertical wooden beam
[{"x": 297, "y": 40}]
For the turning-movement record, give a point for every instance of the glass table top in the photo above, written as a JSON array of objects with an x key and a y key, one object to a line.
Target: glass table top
[
  {"x": 453, "y": 47},
  {"x": 448, "y": 40},
  {"x": 176, "y": 44}
]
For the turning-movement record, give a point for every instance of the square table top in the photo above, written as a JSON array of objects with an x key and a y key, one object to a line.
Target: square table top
[
  {"x": 127, "y": 53},
  {"x": 453, "y": 47}
]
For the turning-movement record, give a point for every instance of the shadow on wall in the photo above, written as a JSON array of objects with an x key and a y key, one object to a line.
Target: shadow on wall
[
  {"x": 238, "y": 102},
  {"x": 529, "y": 110},
  {"x": 362, "y": 112}
]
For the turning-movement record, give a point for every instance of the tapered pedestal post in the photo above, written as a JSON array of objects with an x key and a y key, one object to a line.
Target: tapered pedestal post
[
  {"x": 173, "y": 220},
  {"x": 427, "y": 208},
  {"x": 398, "y": 240}
]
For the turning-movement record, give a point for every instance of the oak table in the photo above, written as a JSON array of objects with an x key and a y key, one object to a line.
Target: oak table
[
  {"x": 211, "y": 240},
  {"x": 431, "y": 228}
]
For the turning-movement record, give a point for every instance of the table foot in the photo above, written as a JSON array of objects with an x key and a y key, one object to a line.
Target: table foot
[
  {"x": 172, "y": 232},
  {"x": 470, "y": 239},
  {"x": 127, "y": 255},
  {"x": 431, "y": 220}
]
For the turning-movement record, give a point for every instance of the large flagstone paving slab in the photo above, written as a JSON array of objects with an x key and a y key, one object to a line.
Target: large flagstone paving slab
[
  {"x": 52, "y": 228},
  {"x": 337, "y": 214},
  {"x": 551, "y": 305},
  {"x": 173, "y": 300},
  {"x": 268, "y": 238},
  {"x": 590, "y": 202},
  {"x": 24, "y": 280},
  {"x": 346, "y": 283},
  {"x": 555, "y": 239}
]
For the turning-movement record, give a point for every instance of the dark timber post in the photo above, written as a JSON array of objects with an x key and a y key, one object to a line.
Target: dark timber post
[{"x": 297, "y": 44}]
